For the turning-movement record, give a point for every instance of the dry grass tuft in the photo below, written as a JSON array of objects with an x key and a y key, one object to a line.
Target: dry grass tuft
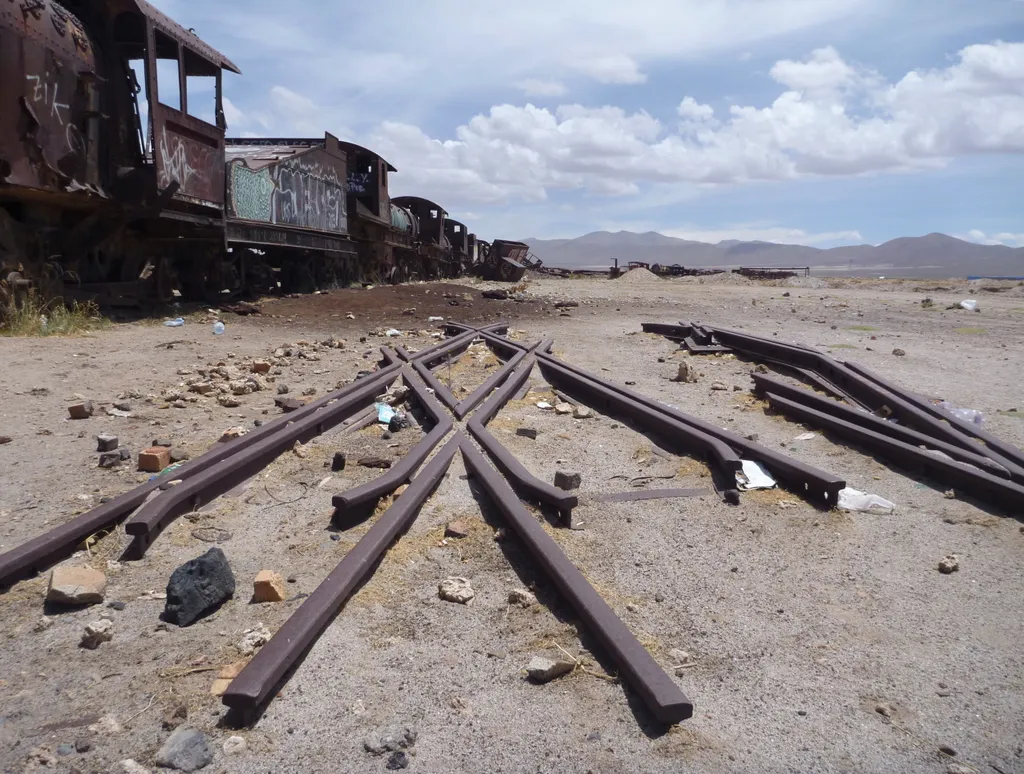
[{"x": 34, "y": 317}]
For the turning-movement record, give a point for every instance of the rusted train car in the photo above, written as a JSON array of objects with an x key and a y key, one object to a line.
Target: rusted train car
[{"x": 117, "y": 182}]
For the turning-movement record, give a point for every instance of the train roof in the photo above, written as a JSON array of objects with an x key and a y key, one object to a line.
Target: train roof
[
  {"x": 189, "y": 39},
  {"x": 351, "y": 146},
  {"x": 413, "y": 199}
]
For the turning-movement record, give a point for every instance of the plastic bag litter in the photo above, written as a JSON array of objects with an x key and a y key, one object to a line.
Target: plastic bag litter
[
  {"x": 176, "y": 323},
  {"x": 968, "y": 415},
  {"x": 854, "y": 500},
  {"x": 384, "y": 413},
  {"x": 544, "y": 405},
  {"x": 392, "y": 332},
  {"x": 435, "y": 318},
  {"x": 805, "y": 437},
  {"x": 753, "y": 476},
  {"x": 970, "y": 304}
]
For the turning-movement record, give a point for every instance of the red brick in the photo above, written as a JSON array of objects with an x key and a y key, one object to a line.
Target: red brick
[{"x": 154, "y": 459}]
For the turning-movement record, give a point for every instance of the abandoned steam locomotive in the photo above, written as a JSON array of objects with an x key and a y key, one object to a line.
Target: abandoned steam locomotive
[{"x": 126, "y": 192}]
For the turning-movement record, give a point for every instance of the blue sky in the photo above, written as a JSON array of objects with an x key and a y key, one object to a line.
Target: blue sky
[{"x": 809, "y": 121}]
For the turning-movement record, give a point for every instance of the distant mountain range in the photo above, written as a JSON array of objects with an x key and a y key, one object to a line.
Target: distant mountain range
[{"x": 933, "y": 255}]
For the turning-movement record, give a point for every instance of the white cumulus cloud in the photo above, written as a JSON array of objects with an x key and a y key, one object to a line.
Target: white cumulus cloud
[
  {"x": 610, "y": 68},
  {"x": 1002, "y": 238}
]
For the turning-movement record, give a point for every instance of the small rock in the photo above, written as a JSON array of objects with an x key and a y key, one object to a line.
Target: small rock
[
  {"x": 175, "y": 716},
  {"x": 338, "y": 463},
  {"x": 299, "y": 450},
  {"x": 686, "y": 373},
  {"x": 527, "y": 432},
  {"x": 185, "y": 750},
  {"x": 679, "y": 657},
  {"x": 500, "y": 535},
  {"x": 82, "y": 745},
  {"x": 154, "y": 459},
  {"x": 97, "y": 632},
  {"x": 65, "y": 749},
  {"x": 268, "y": 586},
  {"x": 718, "y": 386},
  {"x": 234, "y": 745},
  {"x": 885, "y": 709},
  {"x": 544, "y": 670},
  {"x": 567, "y": 481},
  {"x": 949, "y": 564},
  {"x": 521, "y": 597},
  {"x": 110, "y": 459},
  {"x": 761, "y": 368},
  {"x": 945, "y": 749},
  {"x": 309, "y": 391},
  {"x": 456, "y": 529},
  {"x": 126, "y": 454},
  {"x": 128, "y": 766},
  {"x": 563, "y": 408},
  {"x": 106, "y": 442},
  {"x": 732, "y": 496},
  {"x": 282, "y": 389},
  {"x": 398, "y": 760},
  {"x": 949, "y": 494},
  {"x": 959, "y": 768},
  {"x": 899, "y": 352},
  {"x": 76, "y": 586},
  {"x": 108, "y": 725},
  {"x": 162, "y": 442},
  {"x": 42, "y": 624},
  {"x": 261, "y": 366},
  {"x": 228, "y": 401},
  {"x": 179, "y": 455},
  {"x": 631, "y": 607},
  {"x": 4, "y": 439},
  {"x": 737, "y": 388},
  {"x": 374, "y": 462},
  {"x": 82, "y": 410},
  {"x": 456, "y": 590},
  {"x": 582, "y": 412},
  {"x": 198, "y": 586},
  {"x": 253, "y": 639},
  {"x": 123, "y": 405},
  {"x": 42, "y": 757},
  {"x": 752, "y": 436},
  {"x": 288, "y": 405},
  {"x": 233, "y": 432}
]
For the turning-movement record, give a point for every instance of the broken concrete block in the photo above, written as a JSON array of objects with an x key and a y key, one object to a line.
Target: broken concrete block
[
  {"x": 527, "y": 432},
  {"x": 106, "y": 442},
  {"x": 456, "y": 529},
  {"x": 76, "y": 586},
  {"x": 97, "y": 632},
  {"x": 154, "y": 459},
  {"x": 567, "y": 481},
  {"x": 544, "y": 670},
  {"x": 111, "y": 459},
  {"x": 82, "y": 410},
  {"x": 269, "y": 586},
  {"x": 455, "y": 590},
  {"x": 261, "y": 366}
]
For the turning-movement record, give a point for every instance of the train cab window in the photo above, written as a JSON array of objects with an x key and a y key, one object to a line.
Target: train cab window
[
  {"x": 433, "y": 214},
  {"x": 168, "y": 89},
  {"x": 200, "y": 87},
  {"x": 458, "y": 229}
]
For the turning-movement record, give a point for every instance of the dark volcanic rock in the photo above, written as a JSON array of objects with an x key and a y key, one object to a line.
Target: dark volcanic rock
[{"x": 199, "y": 585}]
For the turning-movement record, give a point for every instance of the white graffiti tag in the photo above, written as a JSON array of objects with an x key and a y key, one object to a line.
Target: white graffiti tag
[
  {"x": 174, "y": 161},
  {"x": 46, "y": 92}
]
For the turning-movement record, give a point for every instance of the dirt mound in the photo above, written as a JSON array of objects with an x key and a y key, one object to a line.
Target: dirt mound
[
  {"x": 639, "y": 275},
  {"x": 725, "y": 278}
]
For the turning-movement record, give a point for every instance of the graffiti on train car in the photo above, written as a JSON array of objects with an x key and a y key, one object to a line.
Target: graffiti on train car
[
  {"x": 190, "y": 163},
  {"x": 304, "y": 192},
  {"x": 360, "y": 182}
]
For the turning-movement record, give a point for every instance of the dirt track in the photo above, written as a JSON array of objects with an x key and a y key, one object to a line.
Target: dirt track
[{"x": 800, "y": 625}]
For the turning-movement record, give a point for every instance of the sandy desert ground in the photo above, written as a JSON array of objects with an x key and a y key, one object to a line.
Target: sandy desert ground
[{"x": 807, "y": 640}]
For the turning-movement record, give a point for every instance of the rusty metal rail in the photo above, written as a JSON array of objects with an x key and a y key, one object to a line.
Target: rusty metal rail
[
  {"x": 401, "y": 471},
  {"x": 511, "y": 467},
  {"x": 659, "y": 692},
  {"x": 257, "y": 680},
  {"x": 970, "y": 479},
  {"x": 818, "y": 487},
  {"x": 153, "y": 517},
  {"x": 766, "y": 384},
  {"x": 42, "y": 551}
]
